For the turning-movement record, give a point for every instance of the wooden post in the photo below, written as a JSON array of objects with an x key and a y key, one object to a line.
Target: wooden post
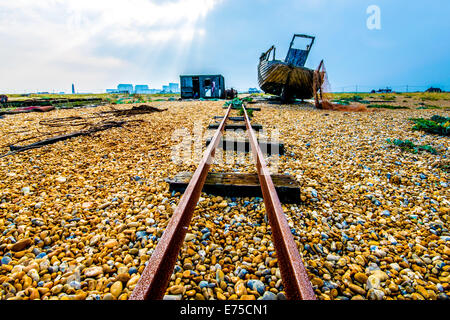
[{"x": 317, "y": 86}]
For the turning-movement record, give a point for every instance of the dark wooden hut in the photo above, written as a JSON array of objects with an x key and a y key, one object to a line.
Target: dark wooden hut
[{"x": 202, "y": 86}]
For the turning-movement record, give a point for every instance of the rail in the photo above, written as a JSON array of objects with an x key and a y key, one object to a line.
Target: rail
[
  {"x": 156, "y": 275},
  {"x": 293, "y": 273}
]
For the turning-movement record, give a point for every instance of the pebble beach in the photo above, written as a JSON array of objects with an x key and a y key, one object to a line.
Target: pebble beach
[{"x": 79, "y": 219}]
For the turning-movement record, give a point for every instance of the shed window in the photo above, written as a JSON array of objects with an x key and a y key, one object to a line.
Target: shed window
[
  {"x": 186, "y": 82},
  {"x": 207, "y": 82}
]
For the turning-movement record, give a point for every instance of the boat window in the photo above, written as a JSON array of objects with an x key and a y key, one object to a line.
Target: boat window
[
  {"x": 207, "y": 82},
  {"x": 302, "y": 43}
]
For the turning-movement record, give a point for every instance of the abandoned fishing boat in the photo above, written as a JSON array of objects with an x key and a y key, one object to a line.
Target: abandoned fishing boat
[{"x": 288, "y": 79}]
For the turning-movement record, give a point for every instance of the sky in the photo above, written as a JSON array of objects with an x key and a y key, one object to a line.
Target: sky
[{"x": 47, "y": 45}]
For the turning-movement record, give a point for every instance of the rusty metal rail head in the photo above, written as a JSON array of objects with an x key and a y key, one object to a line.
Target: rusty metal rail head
[
  {"x": 156, "y": 275},
  {"x": 293, "y": 273}
]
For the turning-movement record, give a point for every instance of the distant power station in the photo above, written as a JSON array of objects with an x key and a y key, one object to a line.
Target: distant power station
[
  {"x": 141, "y": 88},
  {"x": 144, "y": 89}
]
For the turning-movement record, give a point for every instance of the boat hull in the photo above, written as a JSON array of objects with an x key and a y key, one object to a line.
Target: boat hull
[{"x": 278, "y": 78}]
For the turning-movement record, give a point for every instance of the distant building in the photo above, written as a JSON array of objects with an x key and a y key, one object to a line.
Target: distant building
[
  {"x": 73, "y": 88},
  {"x": 253, "y": 90},
  {"x": 174, "y": 87},
  {"x": 122, "y": 88},
  {"x": 202, "y": 86},
  {"x": 141, "y": 89},
  {"x": 144, "y": 89},
  {"x": 125, "y": 88},
  {"x": 387, "y": 90},
  {"x": 434, "y": 90}
]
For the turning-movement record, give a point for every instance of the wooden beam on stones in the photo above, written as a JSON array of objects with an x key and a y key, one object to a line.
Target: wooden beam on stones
[
  {"x": 231, "y": 126},
  {"x": 267, "y": 147},
  {"x": 237, "y": 119},
  {"x": 252, "y": 109},
  {"x": 239, "y": 185}
]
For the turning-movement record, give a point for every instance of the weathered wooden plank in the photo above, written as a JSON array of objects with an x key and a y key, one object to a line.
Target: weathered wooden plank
[
  {"x": 236, "y": 119},
  {"x": 257, "y": 127},
  {"x": 252, "y": 109},
  {"x": 239, "y": 185},
  {"x": 267, "y": 147},
  {"x": 45, "y": 102}
]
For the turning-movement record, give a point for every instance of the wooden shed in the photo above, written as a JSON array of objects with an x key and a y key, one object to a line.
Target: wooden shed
[{"x": 202, "y": 86}]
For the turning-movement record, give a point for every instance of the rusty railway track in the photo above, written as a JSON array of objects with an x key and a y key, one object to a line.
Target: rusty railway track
[
  {"x": 293, "y": 273},
  {"x": 156, "y": 275}
]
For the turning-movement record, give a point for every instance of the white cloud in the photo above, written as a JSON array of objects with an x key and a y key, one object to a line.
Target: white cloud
[{"x": 57, "y": 38}]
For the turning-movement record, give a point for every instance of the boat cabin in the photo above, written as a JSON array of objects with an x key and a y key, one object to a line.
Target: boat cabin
[
  {"x": 297, "y": 56},
  {"x": 202, "y": 86}
]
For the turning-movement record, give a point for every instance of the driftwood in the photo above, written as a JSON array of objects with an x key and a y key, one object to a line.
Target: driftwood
[
  {"x": 46, "y": 142},
  {"x": 28, "y": 110},
  {"x": 79, "y": 121},
  {"x": 39, "y": 144},
  {"x": 47, "y": 102},
  {"x": 142, "y": 109}
]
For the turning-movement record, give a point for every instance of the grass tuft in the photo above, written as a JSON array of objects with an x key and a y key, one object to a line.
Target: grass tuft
[
  {"x": 436, "y": 124},
  {"x": 409, "y": 146},
  {"x": 385, "y": 106}
]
